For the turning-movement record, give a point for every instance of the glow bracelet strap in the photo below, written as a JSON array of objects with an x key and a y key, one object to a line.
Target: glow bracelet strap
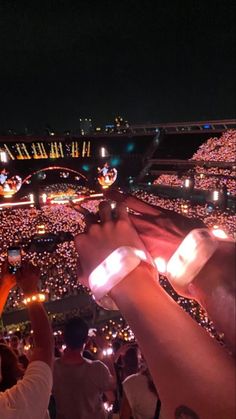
[
  {"x": 190, "y": 257},
  {"x": 115, "y": 268}
]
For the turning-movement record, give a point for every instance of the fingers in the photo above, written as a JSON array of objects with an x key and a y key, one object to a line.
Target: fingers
[
  {"x": 27, "y": 268},
  {"x": 79, "y": 239},
  {"x": 105, "y": 211},
  {"x": 133, "y": 203},
  {"x": 121, "y": 212},
  {"x": 81, "y": 278},
  {"x": 90, "y": 219}
]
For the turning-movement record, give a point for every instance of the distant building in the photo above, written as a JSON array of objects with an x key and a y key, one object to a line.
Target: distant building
[
  {"x": 109, "y": 128},
  {"x": 86, "y": 126},
  {"x": 121, "y": 126}
]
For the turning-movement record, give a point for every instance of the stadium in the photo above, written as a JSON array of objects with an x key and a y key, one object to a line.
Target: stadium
[{"x": 186, "y": 167}]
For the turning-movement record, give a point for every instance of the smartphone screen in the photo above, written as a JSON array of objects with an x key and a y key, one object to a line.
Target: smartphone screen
[{"x": 14, "y": 258}]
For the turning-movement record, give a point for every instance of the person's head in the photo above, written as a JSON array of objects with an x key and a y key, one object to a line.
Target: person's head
[
  {"x": 116, "y": 344},
  {"x": 88, "y": 355},
  {"x": 14, "y": 342},
  {"x": 75, "y": 333},
  {"x": 131, "y": 361},
  {"x": 11, "y": 370}
]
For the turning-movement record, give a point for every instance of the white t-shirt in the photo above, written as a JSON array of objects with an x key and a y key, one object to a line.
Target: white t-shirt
[
  {"x": 141, "y": 399},
  {"x": 29, "y": 398},
  {"x": 78, "y": 389}
]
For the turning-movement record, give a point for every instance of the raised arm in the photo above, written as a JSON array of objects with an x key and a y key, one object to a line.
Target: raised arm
[
  {"x": 30, "y": 396},
  {"x": 162, "y": 231},
  {"x": 28, "y": 279},
  {"x": 7, "y": 282},
  {"x": 191, "y": 371},
  {"x": 215, "y": 289}
]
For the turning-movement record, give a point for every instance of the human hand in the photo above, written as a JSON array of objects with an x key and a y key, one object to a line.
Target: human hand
[
  {"x": 102, "y": 239},
  {"x": 27, "y": 278},
  {"x": 160, "y": 230},
  {"x": 7, "y": 279}
]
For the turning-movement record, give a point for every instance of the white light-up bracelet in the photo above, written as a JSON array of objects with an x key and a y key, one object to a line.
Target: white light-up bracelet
[
  {"x": 190, "y": 257},
  {"x": 115, "y": 268}
]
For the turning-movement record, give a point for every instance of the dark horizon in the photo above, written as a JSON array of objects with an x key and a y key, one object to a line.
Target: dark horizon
[{"x": 148, "y": 61}]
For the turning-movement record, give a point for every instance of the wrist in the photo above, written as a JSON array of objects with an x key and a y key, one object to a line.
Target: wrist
[
  {"x": 136, "y": 280},
  {"x": 119, "y": 264},
  {"x": 37, "y": 297},
  {"x": 191, "y": 256},
  {"x": 217, "y": 273},
  {"x": 5, "y": 287}
]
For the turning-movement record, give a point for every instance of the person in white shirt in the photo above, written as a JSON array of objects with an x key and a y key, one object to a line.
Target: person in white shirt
[
  {"x": 140, "y": 397},
  {"x": 79, "y": 383},
  {"x": 29, "y": 398}
]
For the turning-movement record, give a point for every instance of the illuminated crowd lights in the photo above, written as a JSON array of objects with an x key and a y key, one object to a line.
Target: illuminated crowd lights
[
  {"x": 225, "y": 220},
  {"x": 218, "y": 149},
  {"x": 210, "y": 178},
  {"x": 117, "y": 330}
]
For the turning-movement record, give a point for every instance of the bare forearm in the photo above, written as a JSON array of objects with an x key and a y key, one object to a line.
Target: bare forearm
[
  {"x": 43, "y": 338},
  {"x": 185, "y": 363},
  {"x": 215, "y": 289}
]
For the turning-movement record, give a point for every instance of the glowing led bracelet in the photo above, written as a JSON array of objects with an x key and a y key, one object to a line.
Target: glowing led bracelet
[
  {"x": 190, "y": 257},
  {"x": 39, "y": 298},
  {"x": 115, "y": 268}
]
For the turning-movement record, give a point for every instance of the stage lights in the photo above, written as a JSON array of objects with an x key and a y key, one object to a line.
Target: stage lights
[
  {"x": 187, "y": 183},
  {"x": 44, "y": 198},
  {"x": 130, "y": 147},
  {"x": 103, "y": 152},
  {"x": 215, "y": 195},
  {"x": 3, "y": 156},
  {"x": 41, "y": 229}
]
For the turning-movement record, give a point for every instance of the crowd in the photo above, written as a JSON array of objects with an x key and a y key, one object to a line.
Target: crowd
[
  {"x": 222, "y": 219},
  {"x": 218, "y": 149},
  {"x": 209, "y": 178}
]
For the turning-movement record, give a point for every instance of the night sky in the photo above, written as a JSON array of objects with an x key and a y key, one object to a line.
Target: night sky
[{"x": 150, "y": 61}]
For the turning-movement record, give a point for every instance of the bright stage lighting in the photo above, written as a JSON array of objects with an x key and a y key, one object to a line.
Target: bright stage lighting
[
  {"x": 103, "y": 152},
  {"x": 3, "y": 156},
  {"x": 44, "y": 198},
  {"x": 215, "y": 195},
  {"x": 187, "y": 183},
  {"x": 41, "y": 229}
]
